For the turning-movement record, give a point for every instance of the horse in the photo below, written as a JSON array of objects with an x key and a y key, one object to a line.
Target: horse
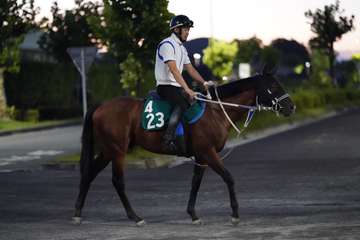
[{"x": 114, "y": 127}]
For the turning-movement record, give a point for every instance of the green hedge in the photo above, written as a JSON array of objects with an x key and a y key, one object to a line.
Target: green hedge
[
  {"x": 314, "y": 98},
  {"x": 54, "y": 89},
  {"x": 29, "y": 115},
  {"x": 41, "y": 85},
  {"x": 104, "y": 82},
  {"x": 310, "y": 103},
  {"x": 307, "y": 99}
]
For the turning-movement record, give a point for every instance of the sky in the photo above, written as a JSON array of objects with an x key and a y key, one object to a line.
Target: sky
[{"x": 242, "y": 19}]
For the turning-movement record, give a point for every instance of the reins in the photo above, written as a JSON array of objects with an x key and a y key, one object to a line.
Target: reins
[{"x": 251, "y": 111}]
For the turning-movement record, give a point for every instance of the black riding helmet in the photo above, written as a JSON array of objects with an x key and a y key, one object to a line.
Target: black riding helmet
[{"x": 180, "y": 21}]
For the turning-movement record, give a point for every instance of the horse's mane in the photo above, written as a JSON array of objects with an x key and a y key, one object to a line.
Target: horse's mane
[{"x": 235, "y": 87}]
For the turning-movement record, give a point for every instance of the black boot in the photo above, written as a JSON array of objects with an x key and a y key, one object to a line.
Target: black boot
[
  {"x": 181, "y": 146},
  {"x": 169, "y": 136}
]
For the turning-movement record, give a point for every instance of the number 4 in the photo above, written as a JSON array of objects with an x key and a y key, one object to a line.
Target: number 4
[{"x": 148, "y": 107}]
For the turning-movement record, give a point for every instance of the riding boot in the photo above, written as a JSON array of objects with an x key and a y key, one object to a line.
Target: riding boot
[
  {"x": 169, "y": 136},
  {"x": 181, "y": 146}
]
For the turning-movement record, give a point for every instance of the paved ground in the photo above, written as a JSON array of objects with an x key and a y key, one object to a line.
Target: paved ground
[
  {"x": 29, "y": 150},
  {"x": 301, "y": 184}
]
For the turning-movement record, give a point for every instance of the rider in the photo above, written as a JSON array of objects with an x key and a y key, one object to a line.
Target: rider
[{"x": 171, "y": 58}]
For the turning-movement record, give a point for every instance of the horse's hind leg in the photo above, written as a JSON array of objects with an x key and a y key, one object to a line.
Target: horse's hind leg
[
  {"x": 195, "y": 185},
  {"x": 99, "y": 163},
  {"x": 119, "y": 184}
]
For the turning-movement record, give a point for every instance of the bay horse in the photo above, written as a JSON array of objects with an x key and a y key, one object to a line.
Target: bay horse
[{"x": 115, "y": 126}]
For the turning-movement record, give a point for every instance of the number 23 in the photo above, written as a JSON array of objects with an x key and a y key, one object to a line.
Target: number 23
[{"x": 160, "y": 119}]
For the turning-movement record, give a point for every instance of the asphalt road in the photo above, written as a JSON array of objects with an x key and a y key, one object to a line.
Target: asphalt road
[
  {"x": 301, "y": 184},
  {"x": 29, "y": 150}
]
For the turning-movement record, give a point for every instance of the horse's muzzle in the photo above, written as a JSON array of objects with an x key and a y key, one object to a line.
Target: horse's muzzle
[{"x": 288, "y": 111}]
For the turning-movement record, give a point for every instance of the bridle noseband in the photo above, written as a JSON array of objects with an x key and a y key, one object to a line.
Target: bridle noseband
[{"x": 276, "y": 106}]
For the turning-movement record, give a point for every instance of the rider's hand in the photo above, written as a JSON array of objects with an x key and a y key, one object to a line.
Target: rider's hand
[
  {"x": 191, "y": 93},
  {"x": 208, "y": 84}
]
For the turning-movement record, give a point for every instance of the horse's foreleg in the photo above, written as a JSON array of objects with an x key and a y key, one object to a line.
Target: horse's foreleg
[
  {"x": 99, "y": 163},
  {"x": 118, "y": 182},
  {"x": 195, "y": 185},
  {"x": 216, "y": 164}
]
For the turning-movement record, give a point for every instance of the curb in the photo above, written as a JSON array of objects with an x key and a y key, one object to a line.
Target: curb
[{"x": 39, "y": 128}]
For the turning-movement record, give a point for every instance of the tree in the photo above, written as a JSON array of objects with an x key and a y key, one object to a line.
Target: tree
[
  {"x": 248, "y": 49},
  {"x": 253, "y": 51},
  {"x": 219, "y": 56},
  {"x": 329, "y": 26},
  {"x": 269, "y": 56},
  {"x": 319, "y": 66},
  {"x": 16, "y": 18},
  {"x": 70, "y": 29},
  {"x": 356, "y": 59},
  {"x": 291, "y": 52},
  {"x": 347, "y": 73},
  {"x": 130, "y": 72},
  {"x": 10, "y": 56},
  {"x": 133, "y": 26}
]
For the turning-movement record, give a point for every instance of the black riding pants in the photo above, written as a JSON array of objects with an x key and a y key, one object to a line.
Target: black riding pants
[{"x": 175, "y": 95}]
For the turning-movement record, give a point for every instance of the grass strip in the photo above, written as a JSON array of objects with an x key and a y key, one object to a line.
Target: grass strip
[{"x": 8, "y": 125}]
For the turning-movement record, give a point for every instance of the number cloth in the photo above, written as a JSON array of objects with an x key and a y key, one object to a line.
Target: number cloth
[{"x": 156, "y": 114}]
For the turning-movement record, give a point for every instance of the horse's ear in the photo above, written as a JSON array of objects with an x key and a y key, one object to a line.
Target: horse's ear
[{"x": 269, "y": 69}]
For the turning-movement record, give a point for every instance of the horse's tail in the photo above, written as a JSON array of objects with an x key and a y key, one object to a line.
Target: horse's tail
[{"x": 87, "y": 139}]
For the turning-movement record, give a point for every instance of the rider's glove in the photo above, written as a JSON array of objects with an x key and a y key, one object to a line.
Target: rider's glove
[{"x": 210, "y": 83}]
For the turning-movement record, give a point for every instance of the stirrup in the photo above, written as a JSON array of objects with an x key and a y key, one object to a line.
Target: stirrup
[
  {"x": 170, "y": 145},
  {"x": 174, "y": 147}
]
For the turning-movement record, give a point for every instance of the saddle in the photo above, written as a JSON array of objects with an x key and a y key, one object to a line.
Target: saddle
[{"x": 157, "y": 111}]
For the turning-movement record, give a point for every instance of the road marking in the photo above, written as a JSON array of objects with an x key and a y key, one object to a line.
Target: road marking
[
  {"x": 45, "y": 153},
  {"x": 28, "y": 157}
]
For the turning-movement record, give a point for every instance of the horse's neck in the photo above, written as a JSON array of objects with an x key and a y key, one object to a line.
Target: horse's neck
[{"x": 247, "y": 98}]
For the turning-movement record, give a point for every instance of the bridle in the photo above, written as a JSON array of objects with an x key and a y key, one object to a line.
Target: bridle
[{"x": 275, "y": 107}]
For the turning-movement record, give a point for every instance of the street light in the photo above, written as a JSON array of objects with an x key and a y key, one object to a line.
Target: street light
[
  {"x": 307, "y": 68},
  {"x": 197, "y": 58}
]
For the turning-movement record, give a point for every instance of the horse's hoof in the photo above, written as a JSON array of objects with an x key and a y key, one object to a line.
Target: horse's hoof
[
  {"x": 76, "y": 220},
  {"x": 197, "y": 222},
  {"x": 235, "y": 221},
  {"x": 141, "y": 223}
]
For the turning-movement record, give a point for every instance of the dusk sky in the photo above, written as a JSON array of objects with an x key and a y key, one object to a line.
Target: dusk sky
[{"x": 270, "y": 19}]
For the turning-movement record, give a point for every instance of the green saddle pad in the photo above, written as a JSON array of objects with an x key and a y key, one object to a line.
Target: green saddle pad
[{"x": 156, "y": 113}]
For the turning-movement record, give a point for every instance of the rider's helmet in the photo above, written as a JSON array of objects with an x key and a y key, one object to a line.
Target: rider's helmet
[{"x": 180, "y": 21}]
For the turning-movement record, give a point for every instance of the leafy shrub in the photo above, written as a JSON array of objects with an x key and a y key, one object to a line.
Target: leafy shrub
[
  {"x": 314, "y": 98},
  {"x": 56, "y": 88},
  {"x": 307, "y": 99},
  {"x": 29, "y": 115}
]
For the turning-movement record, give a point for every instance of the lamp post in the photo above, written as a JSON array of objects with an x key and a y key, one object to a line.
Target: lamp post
[
  {"x": 307, "y": 69},
  {"x": 197, "y": 58}
]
